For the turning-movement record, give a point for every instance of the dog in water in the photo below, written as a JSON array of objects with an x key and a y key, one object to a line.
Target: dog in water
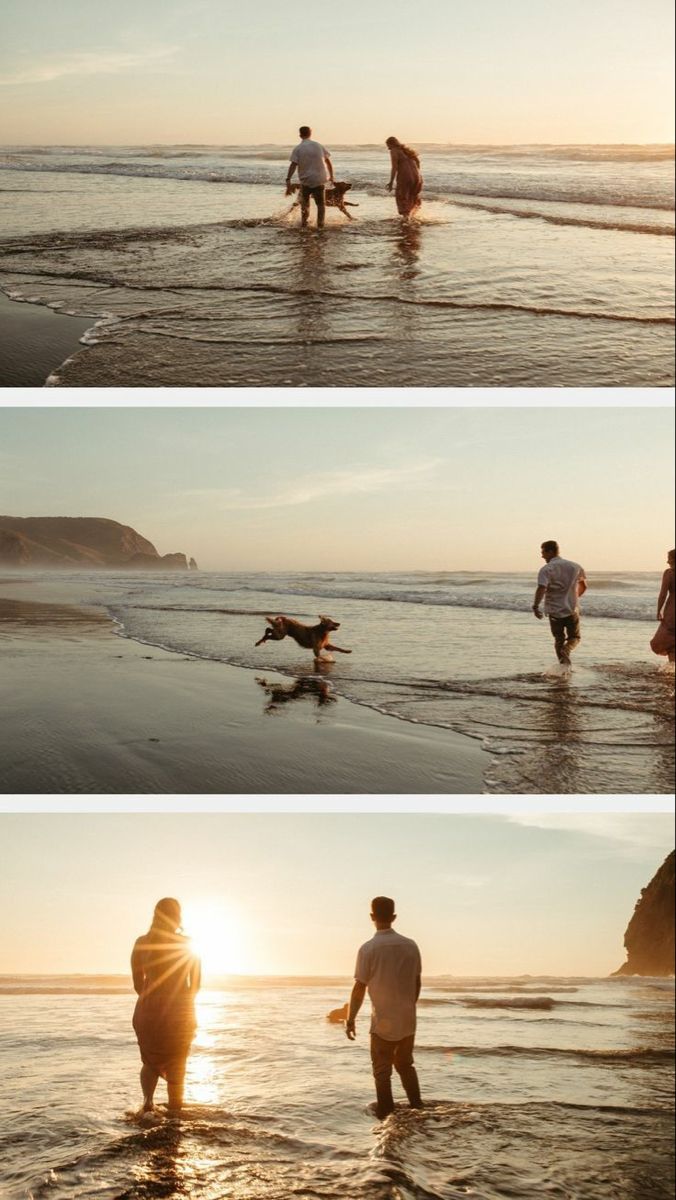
[
  {"x": 310, "y": 637},
  {"x": 338, "y": 1016},
  {"x": 333, "y": 196}
]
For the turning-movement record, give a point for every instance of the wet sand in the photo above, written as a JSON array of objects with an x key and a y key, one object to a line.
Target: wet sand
[
  {"x": 34, "y": 341},
  {"x": 89, "y": 712}
]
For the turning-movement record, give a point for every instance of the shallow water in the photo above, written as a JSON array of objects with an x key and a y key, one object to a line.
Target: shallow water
[
  {"x": 568, "y": 1096},
  {"x": 454, "y": 650},
  {"x": 528, "y": 266}
]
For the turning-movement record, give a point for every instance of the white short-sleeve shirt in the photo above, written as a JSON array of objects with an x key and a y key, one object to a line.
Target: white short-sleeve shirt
[
  {"x": 389, "y": 965},
  {"x": 560, "y": 577},
  {"x": 309, "y": 158}
]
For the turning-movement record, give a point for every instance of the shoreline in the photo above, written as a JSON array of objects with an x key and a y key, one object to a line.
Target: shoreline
[
  {"x": 34, "y": 345},
  {"x": 139, "y": 719}
]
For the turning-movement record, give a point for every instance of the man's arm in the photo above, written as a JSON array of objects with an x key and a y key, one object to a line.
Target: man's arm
[
  {"x": 356, "y": 1001},
  {"x": 581, "y": 584},
  {"x": 418, "y": 985},
  {"x": 289, "y": 176},
  {"x": 540, "y": 592},
  {"x": 329, "y": 166}
]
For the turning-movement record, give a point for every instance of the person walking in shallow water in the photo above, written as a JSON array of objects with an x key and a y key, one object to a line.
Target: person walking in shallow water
[
  {"x": 406, "y": 175},
  {"x": 560, "y": 584},
  {"x": 389, "y": 966},
  {"x": 664, "y": 641},
  {"x": 315, "y": 169},
  {"x": 166, "y": 977}
]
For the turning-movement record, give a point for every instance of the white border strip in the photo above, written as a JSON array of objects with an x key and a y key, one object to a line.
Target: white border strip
[
  {"x": 368, "y": 397},
  {"x": 496, "y": 805}
]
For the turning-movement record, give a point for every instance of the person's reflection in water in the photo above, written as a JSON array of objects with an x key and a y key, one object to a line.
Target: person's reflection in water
[
  {"x": 408, "y": 244},
  {"x": 564, "y": 738},
  {"x": 312, "y": 307},
  {"x": 162, "y": 1176},
  {"x": 166, "y": 977},
  {"x": 303, "y": 689}
]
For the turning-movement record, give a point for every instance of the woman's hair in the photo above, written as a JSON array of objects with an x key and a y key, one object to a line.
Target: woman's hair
[
  {"x": 393, "y": 141},
  {"x": 167, "y": 914}
]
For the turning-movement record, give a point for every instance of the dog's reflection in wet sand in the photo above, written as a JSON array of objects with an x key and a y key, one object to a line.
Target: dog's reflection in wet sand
[{"x": 306, "y": 688}]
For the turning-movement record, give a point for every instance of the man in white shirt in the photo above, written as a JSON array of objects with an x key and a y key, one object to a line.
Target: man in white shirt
[
  {"x": 389, "y": 966},
  {"x": 560, "y": 583},
  {"x": 315, "y": 168}
]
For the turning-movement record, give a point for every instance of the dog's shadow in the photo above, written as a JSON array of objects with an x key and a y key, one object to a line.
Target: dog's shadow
[{"x": 306, "y": 688}]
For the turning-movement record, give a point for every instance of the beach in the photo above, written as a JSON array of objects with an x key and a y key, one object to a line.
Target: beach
[
  {"x": 442, "y": 663},
  {"x": 532, "y": 1086},
  {"x": 528, "y": 266},
  {"x": 33, "y": 340},
  {"x": 86, "y": 711}
]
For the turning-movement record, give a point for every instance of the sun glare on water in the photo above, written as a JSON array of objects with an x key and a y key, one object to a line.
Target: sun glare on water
[{"x": 218, "y": 936}]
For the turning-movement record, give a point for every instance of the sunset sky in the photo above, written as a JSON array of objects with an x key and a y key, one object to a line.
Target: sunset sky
[
  {"x": 289, "y": 894},
  {"x": 224, "y": 72},
  {"x": 355, "y": 489}
]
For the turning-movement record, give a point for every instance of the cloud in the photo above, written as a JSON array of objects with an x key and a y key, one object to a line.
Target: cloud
[
  {"x": 630, "y": 834},
  {"x": 94, "y": 62},
  {"x": 357, "y": 481}
]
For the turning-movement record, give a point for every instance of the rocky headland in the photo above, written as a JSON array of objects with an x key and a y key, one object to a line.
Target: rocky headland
[
  {"x": 80, "y": 542},
  {"x": 649, "y": 938}
]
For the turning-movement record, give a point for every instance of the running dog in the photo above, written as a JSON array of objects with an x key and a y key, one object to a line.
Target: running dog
[
  {"x": 310, "y": 637},
  {"x": 334, "y": 197}
]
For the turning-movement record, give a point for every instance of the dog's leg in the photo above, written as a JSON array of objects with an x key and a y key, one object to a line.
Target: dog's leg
[{"x": 338, "y": 649}]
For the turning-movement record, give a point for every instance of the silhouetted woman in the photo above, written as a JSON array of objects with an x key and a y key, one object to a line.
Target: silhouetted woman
[
  {"x": 167, "y": 978},
  {"x": 406, "y": 173},
  {"x": 664, "y": 641}
]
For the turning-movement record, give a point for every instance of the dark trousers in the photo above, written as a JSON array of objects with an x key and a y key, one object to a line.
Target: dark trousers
[
  {"x": 317, "y": 194},
  {"x": 566, "y": 633},
  {"x": 386, "y": 1055}
]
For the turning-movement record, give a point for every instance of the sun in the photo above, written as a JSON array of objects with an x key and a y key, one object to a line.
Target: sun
[{"x": 218, "y": 936}]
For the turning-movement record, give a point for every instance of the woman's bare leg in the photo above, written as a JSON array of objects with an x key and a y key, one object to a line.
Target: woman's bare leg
[
  {"x": 175, "y": 1084},
  {"x": 148, "y": 1084}
]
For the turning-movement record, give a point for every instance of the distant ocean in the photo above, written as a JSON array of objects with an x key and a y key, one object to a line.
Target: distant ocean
[
  {"x": 530, "y": 266},
  {"x": 534, "y": 1087},
  {"x": 457, "y": 650}
]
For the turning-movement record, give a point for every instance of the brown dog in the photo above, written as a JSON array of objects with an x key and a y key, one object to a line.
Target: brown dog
[
  {"x": 338, "y": 1016},
  {"x": 333, "y": 196},
  {"x": 310, "y": 637}
]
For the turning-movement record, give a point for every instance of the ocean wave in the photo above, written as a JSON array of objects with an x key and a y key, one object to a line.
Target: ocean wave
[
  {"x": 109, "y": 279},
  {"x": 642, "y": 1055},
  {"x": 441, "y": 182},
  {"x": 552, "y": 218},
  {"x": 611, "y": 611}
]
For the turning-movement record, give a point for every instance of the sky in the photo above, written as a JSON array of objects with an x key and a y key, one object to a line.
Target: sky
[
  {"x": 290, "y": 894},
  {"x": 353, "y": 488},
  {"x": 216, "y": 71}
]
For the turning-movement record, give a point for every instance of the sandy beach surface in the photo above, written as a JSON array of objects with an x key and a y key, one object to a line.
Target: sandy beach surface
[
  {"x": 34, "y": 341},
  {"x": 86, "y": 711}
]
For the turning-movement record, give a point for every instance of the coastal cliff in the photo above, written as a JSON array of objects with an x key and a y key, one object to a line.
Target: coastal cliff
[
  {"x": 79, "y": 542},
  {"x": 649, "y": 938}
]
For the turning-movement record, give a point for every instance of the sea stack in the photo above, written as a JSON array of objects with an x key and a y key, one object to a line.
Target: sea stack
[{"x": 649, "y": 939}]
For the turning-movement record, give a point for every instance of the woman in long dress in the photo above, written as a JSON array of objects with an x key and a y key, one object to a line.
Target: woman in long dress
[
  {"x": 166, "y": 977},
  {"x": 407, "y": 176},
  {"x": 664, "y": 641}
]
